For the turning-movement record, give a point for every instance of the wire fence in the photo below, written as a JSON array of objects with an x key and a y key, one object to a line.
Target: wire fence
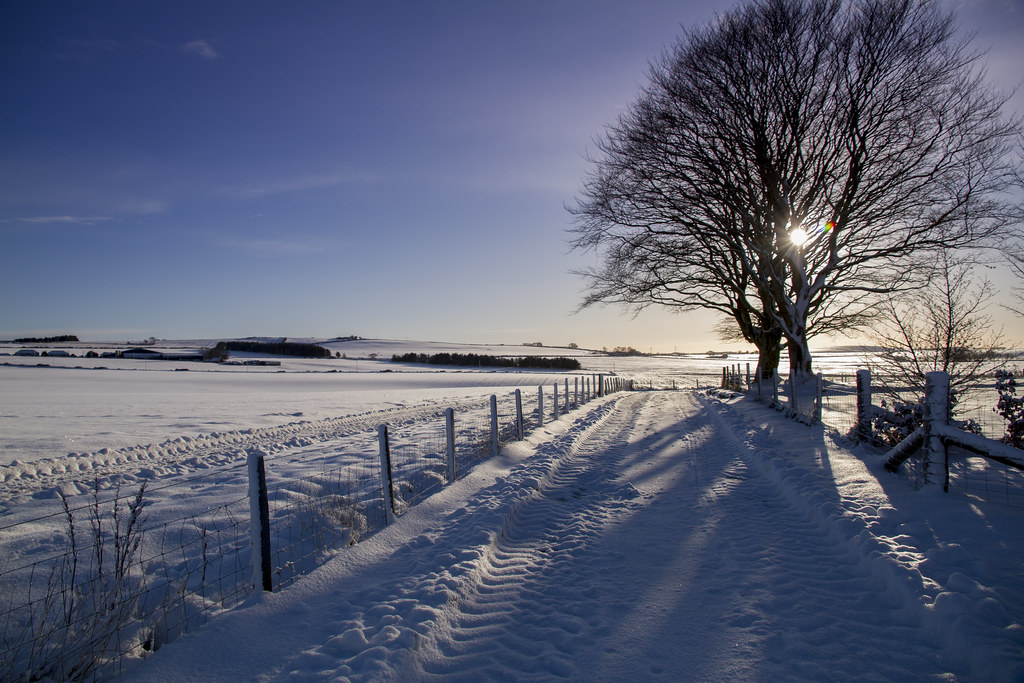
[{"x": 124, "y": 587}]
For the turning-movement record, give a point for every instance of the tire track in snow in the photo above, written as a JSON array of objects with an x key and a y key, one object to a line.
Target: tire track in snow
[{"x": 509, "y": 619}]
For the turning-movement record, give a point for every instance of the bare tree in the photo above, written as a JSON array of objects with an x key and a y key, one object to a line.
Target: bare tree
[
  {"x": 943, "y": 326},
  {"x": 794, "y": 162}
]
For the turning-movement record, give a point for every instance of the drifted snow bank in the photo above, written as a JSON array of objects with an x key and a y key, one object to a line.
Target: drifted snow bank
[{"x": 657, "y": 535}]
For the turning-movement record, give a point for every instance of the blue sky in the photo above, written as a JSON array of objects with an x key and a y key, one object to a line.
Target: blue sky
[{"x": 386, "y": 169}]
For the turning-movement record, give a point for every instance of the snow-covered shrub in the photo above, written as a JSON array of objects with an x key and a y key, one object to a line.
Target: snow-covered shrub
[
  {"x": 1011, "y": 408},
  {"x": 892, "y": 427}
]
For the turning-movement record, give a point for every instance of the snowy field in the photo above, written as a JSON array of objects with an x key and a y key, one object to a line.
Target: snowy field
[
  {"x": 655, "y": 535},
  {"x": 54, "y": 406}
]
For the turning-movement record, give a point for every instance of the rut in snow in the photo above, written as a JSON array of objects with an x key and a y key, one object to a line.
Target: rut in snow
[{"x": 185, "y": 455}]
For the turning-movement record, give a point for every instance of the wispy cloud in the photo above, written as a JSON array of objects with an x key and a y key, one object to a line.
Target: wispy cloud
[
  {"x": 284, "y": 247},
  {"x": 200, "y": 48},
  {"x": 305, "y": 182},
  {"x": 79, "y": 220}
]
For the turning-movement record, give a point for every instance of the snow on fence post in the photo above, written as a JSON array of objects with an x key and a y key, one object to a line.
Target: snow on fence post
[
  {"x": 387, "y": 484},
  {"x": 449, "y": 423},
  {"x": 259, "y": 514},
  {"x": 520, "y": 425},
  {"x": 936, "y": 416},
  {"x": 817, "y": 399},
  {"x": 864, "y": 404},
  {"x": 494, "y": 425},
  {"x": 576, "y": 391},
  {"x": 556, "y": 401},
  {"x": 540, "y": 406}
]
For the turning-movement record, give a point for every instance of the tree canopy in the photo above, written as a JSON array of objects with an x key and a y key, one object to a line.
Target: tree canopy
[{"x": 792, "y": 162}]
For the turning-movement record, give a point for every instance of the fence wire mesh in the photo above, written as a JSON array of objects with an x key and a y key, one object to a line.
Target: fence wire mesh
[{"x": 122, "y": 588}]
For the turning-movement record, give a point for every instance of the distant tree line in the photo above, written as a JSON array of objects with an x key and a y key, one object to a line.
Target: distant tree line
[
  {"x": 484, "y": 361},
  {"x": 61, "y": 339},
  {"x": 279, "y": 348}
]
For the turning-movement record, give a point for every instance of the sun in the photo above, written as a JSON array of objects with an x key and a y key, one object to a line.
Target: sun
[{"x": 799, "y": 237}]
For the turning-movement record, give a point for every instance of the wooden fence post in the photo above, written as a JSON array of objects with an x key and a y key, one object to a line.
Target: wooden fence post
[
  {"x": 556, "y": 401},
  {"x": 567, "y": 408},
  {"x": 387, "y": 484},
  {"x": 864, "y": 404},
  {"x": 936, "y": 413},
  {"x": 540, "y": 406},
  {"x": 494, "y": 425},
  {"x": 520, "y": 426},
  {"x": 449, "y": 422},
  {"x": 818, "y": 399},
  {"x": 259, "y": 514},
  {"x": 576, "y": 391}
]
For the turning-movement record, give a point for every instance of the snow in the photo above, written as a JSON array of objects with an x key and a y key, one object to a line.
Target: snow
[{"x": 661, "y": 535}]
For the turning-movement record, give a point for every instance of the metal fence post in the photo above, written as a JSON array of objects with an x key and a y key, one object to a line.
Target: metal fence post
[
  {"x": 449, "y": 422},
  {"x": 387, "y": 484},
  {"x": 259, "y": 513}
]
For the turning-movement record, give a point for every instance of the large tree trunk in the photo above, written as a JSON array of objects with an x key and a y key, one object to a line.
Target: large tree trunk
[
  {"x": 769, "y": 351},
  {"x": 800, "y": 366},
  {"x": 759, "y": 329}
]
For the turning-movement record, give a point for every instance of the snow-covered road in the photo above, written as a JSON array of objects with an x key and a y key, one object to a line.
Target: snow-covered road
[{"x": 658, "y": 535}]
